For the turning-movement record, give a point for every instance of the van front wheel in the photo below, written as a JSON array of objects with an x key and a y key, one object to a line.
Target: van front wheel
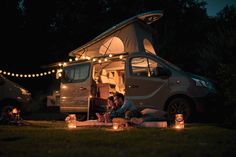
[
  {"x": 6, "y": 112},
  {"x": 81, "y": 116},
  {"x": 179, "y": 106}
]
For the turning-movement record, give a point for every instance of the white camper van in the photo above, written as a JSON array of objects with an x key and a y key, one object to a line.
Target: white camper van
[
  {"x": 12, "y": 96},
  {"x": 124, "y": 59}
]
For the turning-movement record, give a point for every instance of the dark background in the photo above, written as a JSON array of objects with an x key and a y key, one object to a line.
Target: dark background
[{"x": 36, "y": 33}]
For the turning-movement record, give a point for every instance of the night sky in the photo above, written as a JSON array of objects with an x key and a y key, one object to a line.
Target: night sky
[
  {"x": 26, "y": 51},
  {"x": 214, "y": 6}
]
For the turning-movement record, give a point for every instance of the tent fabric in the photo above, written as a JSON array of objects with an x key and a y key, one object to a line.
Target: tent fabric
[{"x": 132, "y": 35}]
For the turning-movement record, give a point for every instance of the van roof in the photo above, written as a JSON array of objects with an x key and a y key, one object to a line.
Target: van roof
[{"x": 95, "y": 45}]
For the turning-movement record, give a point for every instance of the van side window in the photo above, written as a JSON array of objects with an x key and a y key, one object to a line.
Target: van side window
[
  {"x": 76, "y": 73},
  {"x": 144, "y": 67}
]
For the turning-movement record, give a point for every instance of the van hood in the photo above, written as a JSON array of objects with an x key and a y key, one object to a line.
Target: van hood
[{"x": 202, "y": 81}]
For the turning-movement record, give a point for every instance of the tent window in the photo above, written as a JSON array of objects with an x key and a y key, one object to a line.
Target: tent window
[
  {"x": 148, "y": 46},
  {"x": 112, "y": 45}
]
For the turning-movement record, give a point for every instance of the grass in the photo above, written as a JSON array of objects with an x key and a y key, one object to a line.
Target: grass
[{"x": 53, "y": 138}]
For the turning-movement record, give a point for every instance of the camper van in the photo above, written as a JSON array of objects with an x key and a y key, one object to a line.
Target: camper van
[
  {"x": 125, "y": 59},
  {"x": 12, "y": 96}
]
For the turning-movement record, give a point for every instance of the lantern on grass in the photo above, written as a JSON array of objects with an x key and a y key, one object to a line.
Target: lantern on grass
[
  {"x": 115, "y": 126},
  {"x": 71, "y": 121},
  {"x": 179, "y": 121}
]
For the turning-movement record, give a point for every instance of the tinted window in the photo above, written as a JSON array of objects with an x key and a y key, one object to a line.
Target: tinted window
[
  {"x": 144, "y": 67},
  {"x": 75, "y": 73}
]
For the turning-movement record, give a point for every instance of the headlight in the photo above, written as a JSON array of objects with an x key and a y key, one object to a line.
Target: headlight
[{"x": 203, "y": 83}]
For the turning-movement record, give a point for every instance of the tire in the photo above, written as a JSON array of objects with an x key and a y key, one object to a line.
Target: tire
[
  {"x": 81, "y": 116},
  {"x": 179, "y": 106},
  {"x": 5, "y": 112}
]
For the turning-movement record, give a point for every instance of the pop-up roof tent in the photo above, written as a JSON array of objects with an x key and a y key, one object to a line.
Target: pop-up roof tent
[{"x": 131, "y": 35}]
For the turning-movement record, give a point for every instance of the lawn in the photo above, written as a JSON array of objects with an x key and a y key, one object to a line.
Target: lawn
[{"x": 53, "y": 138}]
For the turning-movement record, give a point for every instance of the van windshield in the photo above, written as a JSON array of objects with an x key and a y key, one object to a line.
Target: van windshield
[{"x": 75, "y": 73}]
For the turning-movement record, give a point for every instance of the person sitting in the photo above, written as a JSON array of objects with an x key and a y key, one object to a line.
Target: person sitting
[
  {"x": 126, "y": 108},
  {"x": 109, "y": 108},
  {"x": 130, "y": 112}
]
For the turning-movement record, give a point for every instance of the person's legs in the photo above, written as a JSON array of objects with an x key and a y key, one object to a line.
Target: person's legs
[
  {"x": 149, "y": 115},
  {"x": 153, "y": 114},
  {"x": 136, "y": 120},
  {"x": 106, "y": 118},
  {"x": 100, "y": 117}
]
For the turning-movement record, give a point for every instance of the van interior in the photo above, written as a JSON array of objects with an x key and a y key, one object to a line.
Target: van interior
[{"x": 109, "y": 78}]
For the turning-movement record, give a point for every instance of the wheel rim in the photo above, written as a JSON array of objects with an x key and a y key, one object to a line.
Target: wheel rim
[
  {"x": 6, "y": 110},
  {"x": 81, "y": 117},
  {"x": 179, "y": 107}
]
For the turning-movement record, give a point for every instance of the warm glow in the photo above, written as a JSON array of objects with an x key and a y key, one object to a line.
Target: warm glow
[
  {"x": 70, "y": 60},
  {"x": 14, "y": 111},
  {"x": 71, "y": 121},
  {"x": 71, "y": 125},
  {"x": 64, "y": 87},
  {"x": 179, "y": 121},
  {"x": 115, "y": 126}
]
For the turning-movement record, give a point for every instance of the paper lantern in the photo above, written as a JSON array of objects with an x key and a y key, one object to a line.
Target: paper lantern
[
  {"x": 71, "y": 121},
  {"x": 179, "y": 121}
]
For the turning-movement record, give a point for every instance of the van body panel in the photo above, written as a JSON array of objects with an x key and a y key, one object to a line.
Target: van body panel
[
  {"x": 146, "y": 91},
  {"x": 75, "y": 95}
]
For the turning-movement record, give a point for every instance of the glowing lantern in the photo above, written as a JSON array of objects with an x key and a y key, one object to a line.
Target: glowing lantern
[
  {"x": 14, "y": 111},
  {"x": 115, "y": 126},
  {"x": 179, "y": 121},
  {"x": 71, "y": 121}
]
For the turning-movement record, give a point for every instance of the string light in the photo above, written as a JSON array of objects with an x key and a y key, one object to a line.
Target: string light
[
  {"x": 59, "y": 71},
  {"x": 27, "y": 75}
]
